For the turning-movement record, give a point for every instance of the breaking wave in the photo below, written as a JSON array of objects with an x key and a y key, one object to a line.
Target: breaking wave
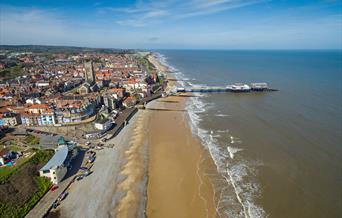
[{"x": 237, "y": 195}]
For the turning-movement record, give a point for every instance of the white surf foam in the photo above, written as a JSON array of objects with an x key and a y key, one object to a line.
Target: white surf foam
[
  {"x": 237, "y": 172},
  {"x": 232, "y": 151},
  {"x": 238, "y": 175},
  {"x": 222, "y": 115},
  {"x": 223, "y": 131}
]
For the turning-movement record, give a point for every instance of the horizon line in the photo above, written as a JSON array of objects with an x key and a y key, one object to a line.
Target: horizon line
[{"x": 198, "y": 49}]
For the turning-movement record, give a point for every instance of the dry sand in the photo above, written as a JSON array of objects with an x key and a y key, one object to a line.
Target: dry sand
[{"x": 132, "y": 188}]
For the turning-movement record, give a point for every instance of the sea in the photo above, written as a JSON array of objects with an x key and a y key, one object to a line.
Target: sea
[{"x": 277, "y": 154}]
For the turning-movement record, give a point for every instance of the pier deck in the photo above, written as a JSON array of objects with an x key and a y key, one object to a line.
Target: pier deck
[{"x": 222, "y": 89}]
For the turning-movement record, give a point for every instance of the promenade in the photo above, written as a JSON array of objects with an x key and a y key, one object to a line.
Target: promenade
[
  {"x": 44, "y": 205},
  {"x": 127, "y": 114}
]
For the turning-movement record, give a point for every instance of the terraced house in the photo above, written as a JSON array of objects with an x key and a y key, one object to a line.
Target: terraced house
[{"x": 38, "y": 114}]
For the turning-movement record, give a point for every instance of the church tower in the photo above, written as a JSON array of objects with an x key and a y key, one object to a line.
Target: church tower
[{"x": 89, "y": 72}]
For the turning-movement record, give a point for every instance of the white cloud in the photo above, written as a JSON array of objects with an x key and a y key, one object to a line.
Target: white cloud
[
  {"x": 30, "y": 25},
  {"x": 211, "y": 7},
  {"x": 145, "y": 12},
  {"x": 157, "y": 13},
  {"x": 210, "y": 3}
]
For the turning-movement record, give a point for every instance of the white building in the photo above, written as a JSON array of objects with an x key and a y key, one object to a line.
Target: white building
[
  {"x": 103, "y": 124},
  {"x": 56, "y": 168},
  {"x": 34, "y": 101},
  {"x": 46, "y": 119},
  {"x": 9, "y": 119},
  {"x": 42, "y": 83}
]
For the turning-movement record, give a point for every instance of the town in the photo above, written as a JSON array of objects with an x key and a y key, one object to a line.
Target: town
[{"x": 57, "y": 107}]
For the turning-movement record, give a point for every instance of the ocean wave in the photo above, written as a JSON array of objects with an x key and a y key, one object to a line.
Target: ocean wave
[
  {"x": 237, "y": 173},
  {"x": 234, "y": 140},
  {"x": 222, "y": 115},
  {"x": 223, "y": 131},
  {"x": 232, "y": 151},
  {"x": 180, "y": 77}
]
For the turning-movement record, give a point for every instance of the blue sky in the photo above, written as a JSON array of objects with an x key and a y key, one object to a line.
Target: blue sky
[{"x": 186, "y": 24}]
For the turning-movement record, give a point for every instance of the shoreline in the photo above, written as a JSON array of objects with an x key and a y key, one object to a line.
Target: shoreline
[
  {"x": 155, "y": 170},
  {"x": 176, "y": 156}
]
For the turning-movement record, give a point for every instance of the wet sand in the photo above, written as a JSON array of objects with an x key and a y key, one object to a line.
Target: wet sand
[{"x": 177, "y": 185}]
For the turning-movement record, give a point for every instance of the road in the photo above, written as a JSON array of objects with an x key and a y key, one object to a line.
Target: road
[
  {"x": 45, "y": 203},
  {"x": 90, "y": 197}
]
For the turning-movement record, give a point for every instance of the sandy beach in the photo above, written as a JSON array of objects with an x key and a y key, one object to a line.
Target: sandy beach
[
  {"x": 178, "y": 164},
  {"x": 177, "y": 185},
  {"x": 116, "y": 188},
  {"x": 157, "y": 168}
]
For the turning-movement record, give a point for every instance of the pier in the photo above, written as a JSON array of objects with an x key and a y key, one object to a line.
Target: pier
[{"x": 236, "y": 88}]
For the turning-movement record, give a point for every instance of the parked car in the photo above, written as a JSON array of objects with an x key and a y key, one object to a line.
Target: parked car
[
  {"x": 91, "y": 159},
  {"x": 84, "y": 168},
  {"x": 91, "y": 154},
  {"x": 55, "y": 204},
  {"x": 53, "y": 188},
  {"x": 63, "y": 196},
  {"x": 78, "y": 178},
  {"x": 87, "y": 173}
]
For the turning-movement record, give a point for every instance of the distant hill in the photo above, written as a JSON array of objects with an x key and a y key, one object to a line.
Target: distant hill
[{"x": 56, "y": 49}]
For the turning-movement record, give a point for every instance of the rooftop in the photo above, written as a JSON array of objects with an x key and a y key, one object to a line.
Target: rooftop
[
  {"x": 102, "y": 121},
  {"x": 58, "y": 158}
]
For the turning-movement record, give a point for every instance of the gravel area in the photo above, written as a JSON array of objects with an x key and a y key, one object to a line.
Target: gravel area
[{"x": 94, "y": 196}]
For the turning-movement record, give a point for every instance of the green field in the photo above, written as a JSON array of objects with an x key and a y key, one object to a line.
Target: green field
[
  {"x": 21, "y": 187},
  {"x": 7, "y": 171},
  {"x": 32, "y": 140},
  {"x": 143, "y": 61}
]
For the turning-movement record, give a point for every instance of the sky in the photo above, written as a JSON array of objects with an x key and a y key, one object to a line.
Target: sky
[{"x": 174, "y": 24}]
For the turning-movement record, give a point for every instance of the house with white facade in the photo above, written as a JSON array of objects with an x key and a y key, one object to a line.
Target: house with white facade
[
  {"x": 103, "y": 124},
  {"x": 56, "y": 168}
]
